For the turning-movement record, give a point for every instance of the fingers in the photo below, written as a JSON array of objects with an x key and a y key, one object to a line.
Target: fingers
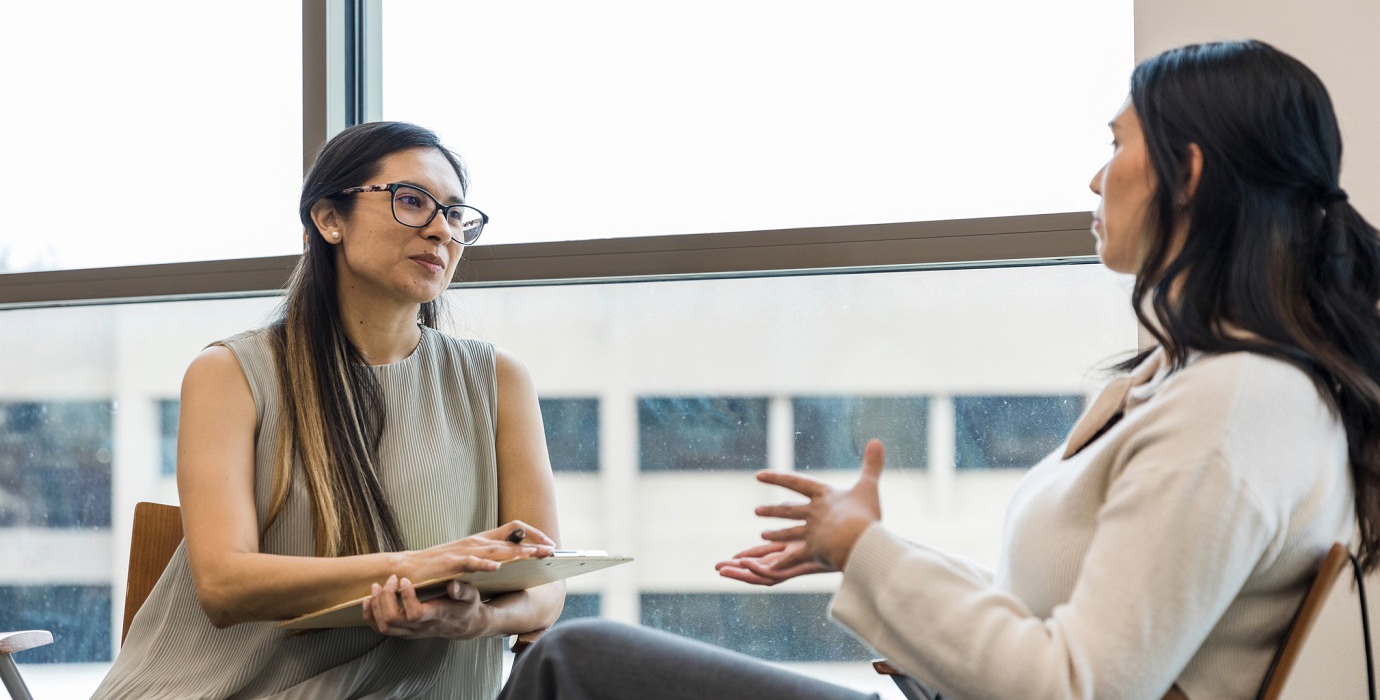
[
  {"x": 799, "y": 483},
  {"x": 786, "y": 534},
  {"x": 494, "y": 550},
  {"x": 792, "y": 559},
  {"x": 789, "y": 511},
  {"x": 747, "y": 576},
  {"x": 762, "y": 572},
  {"x": 384, "y": 604},
  {"x": 767, "y": 552},
  {"x": 760, "y": 550},
  {"x": 780, "y": 571},
  {"x": 411, "y": 606},
  {"x": 532, "y": 536},
  {"x": 473, "y": 563},
  {"x": 874, "y": 456},
  {"x": 462, "y": 592}
]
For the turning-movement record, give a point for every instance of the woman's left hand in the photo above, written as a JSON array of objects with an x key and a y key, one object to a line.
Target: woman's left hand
[
  {"x": 834, "y": 518},
  {"x": 393, "y": 609}
]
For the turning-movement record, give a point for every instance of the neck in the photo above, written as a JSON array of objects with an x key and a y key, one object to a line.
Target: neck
[{"x": 384, "y": 331}]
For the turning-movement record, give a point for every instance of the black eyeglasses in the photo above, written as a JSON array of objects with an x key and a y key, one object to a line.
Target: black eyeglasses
[{"x": 415, "y": 207}]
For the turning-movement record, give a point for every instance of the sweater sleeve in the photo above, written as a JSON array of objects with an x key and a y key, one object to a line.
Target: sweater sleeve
[{"x": 1175, "y": 540}]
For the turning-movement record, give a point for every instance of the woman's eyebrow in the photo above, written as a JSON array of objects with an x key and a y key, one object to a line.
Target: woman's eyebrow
[{"x": 448, "y": 200}]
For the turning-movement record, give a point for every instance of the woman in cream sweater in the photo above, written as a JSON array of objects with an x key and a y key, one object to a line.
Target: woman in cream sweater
[{"x": 1169, "y": 540}]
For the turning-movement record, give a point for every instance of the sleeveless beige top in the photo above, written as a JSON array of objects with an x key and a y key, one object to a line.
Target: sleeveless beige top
[{"x": 437, "y": 465}]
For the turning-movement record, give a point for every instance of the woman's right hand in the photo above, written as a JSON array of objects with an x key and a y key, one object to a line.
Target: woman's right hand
[
  {"x": 483, "y": 551},
  {"x": 394, "y": 609},
  {"x": 758, "y": 565}
]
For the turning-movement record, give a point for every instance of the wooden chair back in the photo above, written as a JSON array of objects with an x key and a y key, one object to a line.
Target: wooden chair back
[
  {"x": 1328, "y": 572},
  {"x": 1288, "y": 653},
  {"x": 157, "y": 532}
]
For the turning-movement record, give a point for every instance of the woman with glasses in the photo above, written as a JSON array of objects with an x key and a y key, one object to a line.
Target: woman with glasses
[
  {"x": 1166, "y": 545},
  {"x": 350, "y": 449}
]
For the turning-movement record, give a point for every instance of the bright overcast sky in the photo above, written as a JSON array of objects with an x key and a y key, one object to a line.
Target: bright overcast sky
[{"x": 167, "y": 130}]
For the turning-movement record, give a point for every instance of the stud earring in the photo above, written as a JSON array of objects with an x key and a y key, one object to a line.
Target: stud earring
[{"x": 335, "y": 235}]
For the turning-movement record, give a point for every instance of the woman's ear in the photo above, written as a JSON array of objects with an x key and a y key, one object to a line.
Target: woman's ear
[
  {"x": 1194, "y": 173},
  {"x": 327, "y": 219}
]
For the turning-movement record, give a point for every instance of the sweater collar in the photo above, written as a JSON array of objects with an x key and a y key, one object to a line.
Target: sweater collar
[{"x": 1123, "y": 393}]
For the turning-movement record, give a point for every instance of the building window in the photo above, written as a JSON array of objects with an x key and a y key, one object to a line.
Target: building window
[
  {"x": 1011, "y": 432},
  {"x": 770, "y": 626},
  {"x": 167, "y": 435},
  {"x": 78, "y": 617},
  {"x": 55, "y": 464},
  {"x": 578, "y": 605},
  {"x": 830, "y": 432},
  {"x": 701, "y": 433},
  {"x": 572, "y": 433}
]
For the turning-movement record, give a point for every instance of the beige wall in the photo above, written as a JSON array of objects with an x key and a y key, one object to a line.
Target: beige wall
[{"x": 1336, "y": 38}]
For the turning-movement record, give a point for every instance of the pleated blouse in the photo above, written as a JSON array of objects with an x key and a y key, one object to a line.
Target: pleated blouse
[{"x": 438, "y": 468}]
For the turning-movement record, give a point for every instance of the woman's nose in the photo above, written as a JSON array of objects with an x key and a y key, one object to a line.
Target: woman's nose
[{"x": 1096, "y": 184}]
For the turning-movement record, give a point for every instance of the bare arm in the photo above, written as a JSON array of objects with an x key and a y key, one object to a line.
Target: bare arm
[
  {"x": 526, "y": 492},
  {"x": 235, "y": 582}
]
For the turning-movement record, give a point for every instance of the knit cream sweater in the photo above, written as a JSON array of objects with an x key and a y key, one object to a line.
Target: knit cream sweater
[{"x": 1173, "y": 548}]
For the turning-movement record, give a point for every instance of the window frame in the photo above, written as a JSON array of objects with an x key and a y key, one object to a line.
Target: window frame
[{"x": 341, "y": 86}]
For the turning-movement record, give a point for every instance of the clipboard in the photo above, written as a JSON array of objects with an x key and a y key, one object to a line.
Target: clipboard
[{"x": 515, "y": 575}]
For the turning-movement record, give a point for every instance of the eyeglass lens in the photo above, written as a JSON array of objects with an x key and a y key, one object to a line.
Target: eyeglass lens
[{"x": 413, "y": 207}]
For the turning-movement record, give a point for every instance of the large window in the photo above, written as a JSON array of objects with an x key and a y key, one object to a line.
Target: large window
[
  {"x": 619, "y": 118},
  {"x": 149, "y": 131},
  {"x": 606, "y": 120},
  {"x": 775, "y": 372}
]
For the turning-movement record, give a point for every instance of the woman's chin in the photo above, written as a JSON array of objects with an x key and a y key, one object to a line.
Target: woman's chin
[{"x": 1111, "y": 260}]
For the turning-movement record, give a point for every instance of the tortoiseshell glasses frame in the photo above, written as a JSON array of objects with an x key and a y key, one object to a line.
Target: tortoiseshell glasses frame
[{"x": 410, "y": 208}]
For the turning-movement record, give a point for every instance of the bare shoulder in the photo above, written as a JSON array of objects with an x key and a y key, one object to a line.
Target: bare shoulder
[
  {"x": 216, "y": 371},
  {"x": 216, "y": 361},
  {"x": 511, "y": 371}
]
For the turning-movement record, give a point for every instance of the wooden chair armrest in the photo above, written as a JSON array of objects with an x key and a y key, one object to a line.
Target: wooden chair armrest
[
  {"x": 526, "y": 639},
  {"x": 12, "y": 642},
  {"x": 884, "y": 667}
]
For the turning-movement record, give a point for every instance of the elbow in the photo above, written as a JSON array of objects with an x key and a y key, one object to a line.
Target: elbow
[
  {"x": 218, "y": 621},
  {"x": 556, "y": 604},
  {"x": 216, "y": 610},
  {"x": 218, "y": 603}
]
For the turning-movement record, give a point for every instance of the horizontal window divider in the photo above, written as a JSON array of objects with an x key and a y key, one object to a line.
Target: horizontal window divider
[{"x": 990, "y": 242}]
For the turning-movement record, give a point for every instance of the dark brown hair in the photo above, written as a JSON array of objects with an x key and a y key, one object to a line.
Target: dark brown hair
[
  {"x": 332, "y": 410},
  {"x": 1274, "y": 248}
]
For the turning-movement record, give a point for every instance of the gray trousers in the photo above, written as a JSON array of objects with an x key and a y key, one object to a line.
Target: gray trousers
[{"x": 587, "y": 659}]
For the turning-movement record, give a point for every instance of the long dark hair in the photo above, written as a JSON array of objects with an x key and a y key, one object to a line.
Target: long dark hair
[
  {"x": 1273, "y": 247},
  {"x": 332, "y": 411}
]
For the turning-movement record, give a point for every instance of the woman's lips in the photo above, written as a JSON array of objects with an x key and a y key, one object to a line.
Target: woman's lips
[{"x": 430, "y": 262}]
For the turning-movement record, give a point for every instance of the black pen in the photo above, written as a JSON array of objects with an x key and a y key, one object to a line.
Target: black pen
[{"x": 517, "y": 536}]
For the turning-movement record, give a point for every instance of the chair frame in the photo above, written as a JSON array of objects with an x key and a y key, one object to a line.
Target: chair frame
[
  {"x": 1277, "y": 675},
  {"x": 157, "y": 534}
]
